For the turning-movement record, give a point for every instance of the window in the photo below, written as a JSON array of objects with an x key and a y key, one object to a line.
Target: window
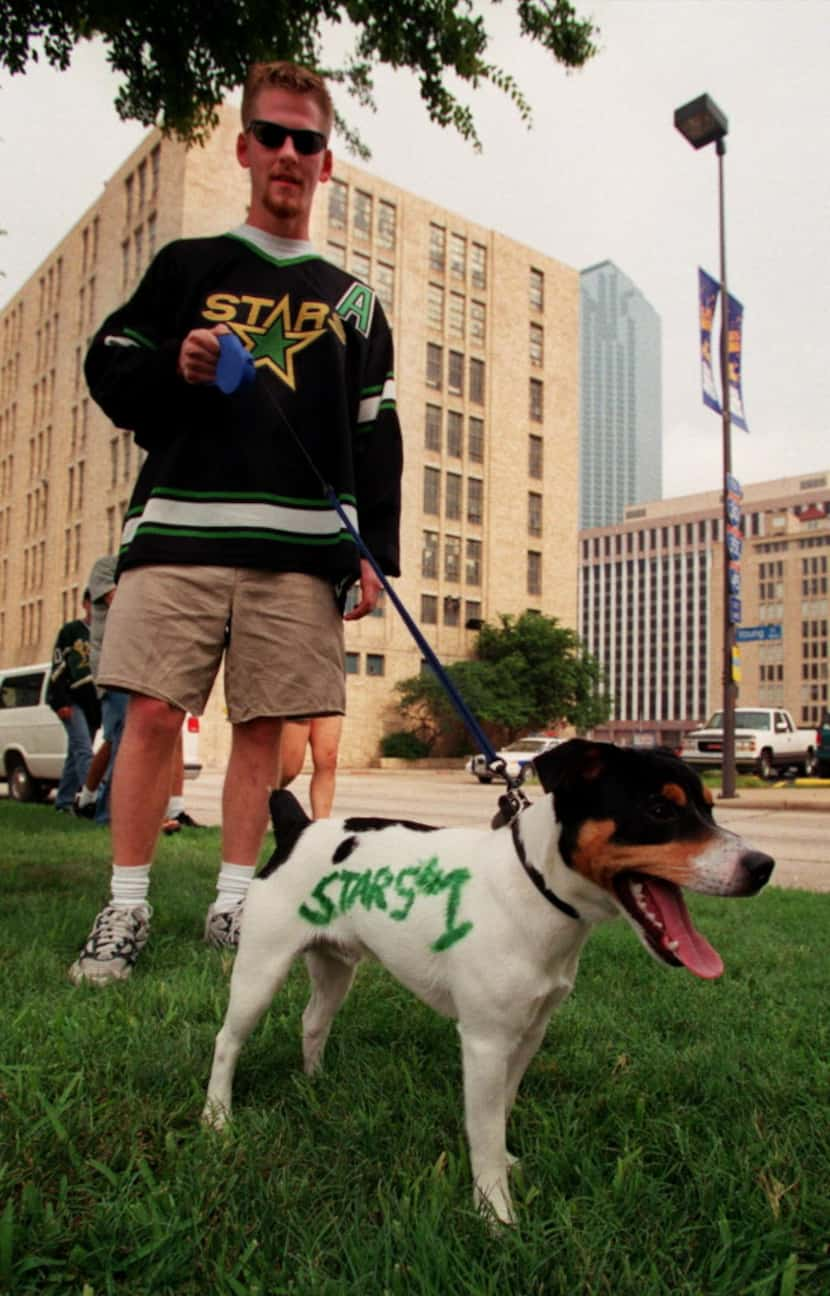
[
  {"x": 452, "y": 504},
  {"x": 151, "y": 236},
  {"x": 534, "y": 513},
  {"x": 472, "y": 572},
  {"x": 452, "y": 558},
  {"x": 456, "y": 317},
  {"x": 455, "y": 434},
  {"x": 478, "y": 265},
  {"x": 437, "y": 247},
  {"x": 452, "y": 610},
  {"x": 534, "y": 572},
  {"x": 535, "y": 456},
  {"x": 432, "y": 490},
  {"x": 352, "y": 663},
  {"x": 475, "y": 440},
  {"x": 362, "y": 216},
  {"x": 478, "y": 323},
  {"x": 385, "y": 284},
  {"x": 361, "y": 266},
  {"x": 155, "y": 168},
  {"x": 429, "y": 609},
  {"x": 536, "y": 292},
  {"x": 537, "y": 400},
  {"x": 435, "y": 306},
  {"x": 336, "y": 254},
  {"x": 458, "y": 256},
  {"x": 432, "y": 427},
  {"x": 472, "y": 615},
  {"x": 385, "y": 233},
  {"x": 338, "y": 204},
  {"x": 429, "y": 555},
  {"x": 435, "y": 365},
  {"x": 537, "y": 345},
  {"x": 475, "y": 499},
  {"x": 375, "y": 664},
  {"x": 455, "y": 374},
  {"x": 477, "y": 381}
]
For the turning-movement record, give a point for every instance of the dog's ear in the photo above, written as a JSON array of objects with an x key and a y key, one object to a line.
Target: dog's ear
[{"x": 573, "y": 760}]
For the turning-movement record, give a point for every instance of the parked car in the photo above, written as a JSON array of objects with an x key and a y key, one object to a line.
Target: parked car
[
  {"x": 517, "y": 757},
  {"x": 33, "y": 740},
  {"x": 766, "y": 741}
]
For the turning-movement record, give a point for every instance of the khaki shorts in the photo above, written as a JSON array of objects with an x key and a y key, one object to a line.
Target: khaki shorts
[{"x": 166, "y": 634}]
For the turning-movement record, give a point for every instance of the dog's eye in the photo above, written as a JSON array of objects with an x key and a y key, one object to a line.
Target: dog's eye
[{"x": 661, "y": 809}]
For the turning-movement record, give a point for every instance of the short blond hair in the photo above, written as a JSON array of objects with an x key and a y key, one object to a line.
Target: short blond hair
[{"x": 286, "y": 76}]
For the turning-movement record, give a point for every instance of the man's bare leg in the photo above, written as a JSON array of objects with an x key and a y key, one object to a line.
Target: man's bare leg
[
  {"x": 249, "y": 780},
  {"x": 325, "y": 741},
  {"x": 141, "y": 783}
]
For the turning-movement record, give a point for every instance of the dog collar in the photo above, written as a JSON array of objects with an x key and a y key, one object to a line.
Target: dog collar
[{"x": 536, "y": 877}]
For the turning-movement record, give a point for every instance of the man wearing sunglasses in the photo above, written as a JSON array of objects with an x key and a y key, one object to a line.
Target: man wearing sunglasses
[{"x": 231, "y": 553}]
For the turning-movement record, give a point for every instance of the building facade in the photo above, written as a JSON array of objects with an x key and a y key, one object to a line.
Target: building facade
[
  {"x": 486, "y": 334},
  {"x": 620, "y": 416},
  {"x": 651, "y": 607}
]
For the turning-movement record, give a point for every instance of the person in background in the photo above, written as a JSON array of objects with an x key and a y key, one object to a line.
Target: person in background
[
  {"x": 71, "y": 695},
  {"x": 176, "y": 816},
  {"x": 323, "y": 733}
]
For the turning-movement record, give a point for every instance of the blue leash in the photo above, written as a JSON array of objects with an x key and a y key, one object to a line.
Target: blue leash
[{"x": 235, "y": 369}]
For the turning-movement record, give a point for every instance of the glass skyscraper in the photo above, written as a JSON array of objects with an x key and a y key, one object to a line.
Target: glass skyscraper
[{"x": 620, "y": 397}]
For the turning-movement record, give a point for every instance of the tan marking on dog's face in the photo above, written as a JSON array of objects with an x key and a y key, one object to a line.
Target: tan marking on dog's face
[
  {"x": 673, "y": 792},
  {"x": 598, "y": 858}
]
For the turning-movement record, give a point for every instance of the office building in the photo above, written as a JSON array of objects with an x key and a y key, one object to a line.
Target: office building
[
  {"x": 651, "y": 607},
  {"x": 620, "y": 411}
]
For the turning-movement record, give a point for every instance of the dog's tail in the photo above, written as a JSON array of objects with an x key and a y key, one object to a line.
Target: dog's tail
[{"x": 290, "y": 821}]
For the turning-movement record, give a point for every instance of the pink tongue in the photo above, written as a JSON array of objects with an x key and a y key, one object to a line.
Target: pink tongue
[{"x": 692, "y": 949}]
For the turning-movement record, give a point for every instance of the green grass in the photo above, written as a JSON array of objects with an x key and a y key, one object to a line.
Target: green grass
[{"x": 674, "y": 1134}]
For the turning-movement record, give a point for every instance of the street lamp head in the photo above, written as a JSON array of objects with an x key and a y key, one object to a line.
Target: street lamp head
[{"x": 701, "y": 122}]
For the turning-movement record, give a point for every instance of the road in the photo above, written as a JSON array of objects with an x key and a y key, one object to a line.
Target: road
[{"x": 796, "y": 839}]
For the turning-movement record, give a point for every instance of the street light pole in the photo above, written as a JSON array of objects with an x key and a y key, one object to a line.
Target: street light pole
[{"x": 702, "y": 122}]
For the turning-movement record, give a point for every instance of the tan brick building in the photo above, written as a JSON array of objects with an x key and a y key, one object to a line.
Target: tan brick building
[
  {"x": 651, "y": 606},
  {"x": 487, "y": 341}
]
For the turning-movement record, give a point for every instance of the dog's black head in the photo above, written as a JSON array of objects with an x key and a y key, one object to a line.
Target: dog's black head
[{"x": 639, "y": 824}]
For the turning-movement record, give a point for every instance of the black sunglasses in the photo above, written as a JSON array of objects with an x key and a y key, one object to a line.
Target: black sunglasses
[{"x": 272, "y": 135}]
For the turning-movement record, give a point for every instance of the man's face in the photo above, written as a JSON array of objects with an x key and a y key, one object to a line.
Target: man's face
[{"x": 283, "y": 181}]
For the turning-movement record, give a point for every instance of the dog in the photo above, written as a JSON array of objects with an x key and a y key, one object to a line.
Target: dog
[{"x": 486, "y": 926}]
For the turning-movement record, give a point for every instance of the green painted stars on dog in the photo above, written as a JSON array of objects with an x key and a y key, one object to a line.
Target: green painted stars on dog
[{"x": 381, "y": 889}]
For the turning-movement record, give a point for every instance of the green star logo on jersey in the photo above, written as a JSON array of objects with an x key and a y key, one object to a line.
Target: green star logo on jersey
[{"x": 274, "y": 344}]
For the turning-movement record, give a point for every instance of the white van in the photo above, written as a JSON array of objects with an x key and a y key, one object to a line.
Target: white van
[{"x": 33, "y": 740}]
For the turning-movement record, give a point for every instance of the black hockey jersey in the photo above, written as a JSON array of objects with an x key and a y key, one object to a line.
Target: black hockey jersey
[{"x": 225, "y": 481}]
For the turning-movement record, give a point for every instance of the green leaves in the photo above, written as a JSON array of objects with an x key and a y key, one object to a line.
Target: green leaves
[
  {"x": 180, "y": 61},
  {"x": 529, "y": 673}
]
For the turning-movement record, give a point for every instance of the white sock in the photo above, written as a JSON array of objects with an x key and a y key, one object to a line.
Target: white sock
[
  {"x": 175, "y": 806},
  {"x": 130, "y": 886},
  {"x": 86, "y": 797},
  {"x": 232, "y": 885}
]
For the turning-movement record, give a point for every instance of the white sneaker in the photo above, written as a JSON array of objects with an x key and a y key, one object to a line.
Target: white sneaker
[
  {"x": 117, "y": 938},
  {"x": 222, "y": 926}
]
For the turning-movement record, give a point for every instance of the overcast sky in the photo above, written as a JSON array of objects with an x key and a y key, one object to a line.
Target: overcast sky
[{"x": 602, "y": 174}]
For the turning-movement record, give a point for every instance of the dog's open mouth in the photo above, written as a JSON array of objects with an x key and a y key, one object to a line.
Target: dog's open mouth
[{"x": 659, "y": 910}]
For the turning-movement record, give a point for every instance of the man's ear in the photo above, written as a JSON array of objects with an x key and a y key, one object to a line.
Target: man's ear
[{"x": 242, "y": 150}]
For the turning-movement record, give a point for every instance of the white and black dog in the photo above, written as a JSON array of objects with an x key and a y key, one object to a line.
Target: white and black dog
[{"x": 485, "y": 926}]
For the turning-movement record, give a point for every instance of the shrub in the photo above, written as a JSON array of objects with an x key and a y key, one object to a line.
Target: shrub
[{"x": 403, "y": 744}]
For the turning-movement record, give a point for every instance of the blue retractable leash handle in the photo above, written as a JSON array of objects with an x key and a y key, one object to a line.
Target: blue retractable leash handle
[{"x": 235, "y": 371}]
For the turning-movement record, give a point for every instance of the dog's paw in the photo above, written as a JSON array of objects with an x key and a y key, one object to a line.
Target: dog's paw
[
  {"x": 512, "y": 1162},
  {"x": 495, "y": 1206},
  {"x": 215, "y": 1116}
]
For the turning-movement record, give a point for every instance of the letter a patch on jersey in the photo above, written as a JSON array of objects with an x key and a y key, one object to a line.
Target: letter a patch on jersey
[{"x": 358, "y": 303}]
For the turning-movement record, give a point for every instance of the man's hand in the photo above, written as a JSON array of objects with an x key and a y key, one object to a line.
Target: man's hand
[
  {"x": 65, "y": 713},
  {"x": 370, "y": 587},
  {"x": 199, "y": 353}
]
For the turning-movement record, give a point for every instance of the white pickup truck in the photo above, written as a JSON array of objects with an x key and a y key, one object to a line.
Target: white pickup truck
[{"x": 766, "y": 740}]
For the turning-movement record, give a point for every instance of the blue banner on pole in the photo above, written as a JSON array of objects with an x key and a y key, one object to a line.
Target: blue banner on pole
[
  {"x": 735, "y": 344},
  {"x": 708, "y": 291}
]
